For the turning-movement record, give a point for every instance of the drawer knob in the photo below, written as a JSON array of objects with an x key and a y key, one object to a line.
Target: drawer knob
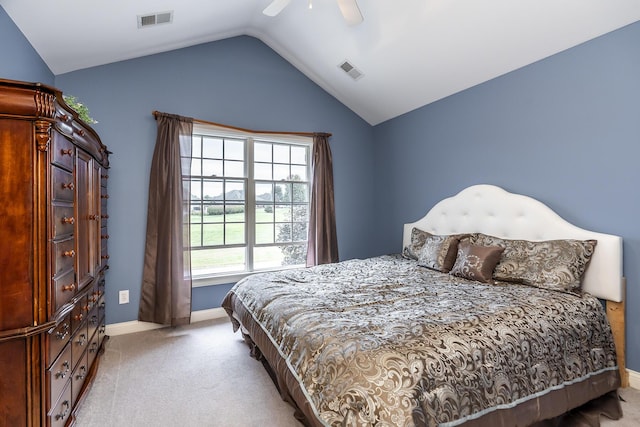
[
  {"x": 93, "y": 348},
  {"x": 104, "y": 176},
  {"x": 81, "y": 132},
  {"x": 70, "y": 220},
  {"x": 66, "y": 407},
  {"x": 61, "y": 373},
  {"x": 62, "y": 334},
  {"x": 69, "y": 254},
  {"x": 82, "y": 372},
  {"x": 104, "y": 196},
  {"x": 105, "y": 216},
  {"x": 67, "y": 152},
  {"x": 68, "y": 185},
  {"x": 71, "y": 287},
  {"x": 94, "y": 217},
  {"x": 104, "y": 236},
  {"x": 82, "y": 339},
  {"x": 79, "y": 318},
  {"x": 104, "y": 257}
]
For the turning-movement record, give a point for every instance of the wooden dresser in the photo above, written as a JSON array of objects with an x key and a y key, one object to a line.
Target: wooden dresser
[{"x": 53, "y": 255}]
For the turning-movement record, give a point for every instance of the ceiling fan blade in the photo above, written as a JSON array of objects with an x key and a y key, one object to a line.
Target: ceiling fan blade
[
  {"x": 350, "y": 11},
  {"x": 275, "y": 7}
]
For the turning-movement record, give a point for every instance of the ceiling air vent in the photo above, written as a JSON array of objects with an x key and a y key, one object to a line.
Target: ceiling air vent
[
  {"x": 352, "y": 71},
  {"x": 155, "y": 19}
]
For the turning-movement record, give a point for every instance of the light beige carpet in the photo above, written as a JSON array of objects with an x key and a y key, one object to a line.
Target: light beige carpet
[{"x": 201, "y": 375}]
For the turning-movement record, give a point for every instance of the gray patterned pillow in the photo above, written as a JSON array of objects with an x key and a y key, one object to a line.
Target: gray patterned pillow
[
  {"x": 552, "y": 264},
  {"x": 418, "y": 237},
  {"x": 439, "y": 252},
  {"x": 476, "y": 262}
]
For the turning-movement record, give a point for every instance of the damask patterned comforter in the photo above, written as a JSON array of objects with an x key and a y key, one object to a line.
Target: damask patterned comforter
[{"x": 385, "y": 342}]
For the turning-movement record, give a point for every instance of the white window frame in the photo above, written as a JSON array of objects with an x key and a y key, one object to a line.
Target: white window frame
[{"x": 221, "y": 131}]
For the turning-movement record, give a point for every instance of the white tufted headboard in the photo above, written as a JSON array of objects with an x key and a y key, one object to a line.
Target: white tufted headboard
[{"x": 491, "y": 210}]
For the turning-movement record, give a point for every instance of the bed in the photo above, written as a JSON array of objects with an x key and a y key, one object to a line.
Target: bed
[{"x": 453, "y": 331}]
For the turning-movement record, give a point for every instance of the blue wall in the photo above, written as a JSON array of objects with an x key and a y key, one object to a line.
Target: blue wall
[
  {"x": 20, "y": 61},
  {"x": 240, "y": 82},
  {"x": 565, "y": 130}
]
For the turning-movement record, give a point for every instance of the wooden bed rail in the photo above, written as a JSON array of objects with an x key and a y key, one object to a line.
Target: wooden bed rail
[{"x": 616, "y": 314}]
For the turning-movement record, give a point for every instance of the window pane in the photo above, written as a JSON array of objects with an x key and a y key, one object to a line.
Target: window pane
[
  {"x": 196, "y": 214},
  {"x": 235, "y": 190},
  {"x": 212, "y": 168},
  {"x": 282, "y": 192},
  {"x": 281, "y": 172},
  {"x": 233, "y": 168},
  {"x": 196, "y": 167},
  {"x": 264, "y": 213},
  {"x": 213, "y": 212},
  {"x": 212, "y": 148},
  {"x": 196, "y": 193},
  {"x": 264, "y": 233},
  {"x": 262, "y": 171},
  {"x": 233, "y": 149},
  {"x": 298, "y": 173},
  {"x": 196, "y": 235},
  {"x": 212, "y": 190},
  {"x": 234, "y": 233},
  {"x": 212, "y": 234},
  {"x": 300, "y": 233},
  {"x": 280, "y": 153},
  {"x": 283, "y": 232},
  {"x": 262, "y": 152},
  {"x": 264, "y": 192},
  {"x": 301, "y": 213},
  {"x": 299, "y": 155},
  {"x": 213, "y": 261},
  {"x": 267, "y": 257},
  {"x": 300, "y": 193},
  {"x": 283, "y": 213},
  {"x": 195, "y": 146}
]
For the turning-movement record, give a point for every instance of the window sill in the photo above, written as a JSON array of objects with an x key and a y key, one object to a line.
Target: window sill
[{"x": 231, "y": 278}]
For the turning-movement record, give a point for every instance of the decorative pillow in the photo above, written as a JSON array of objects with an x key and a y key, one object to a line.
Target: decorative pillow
[
  {"x": 476, "y": 262},
  {"x": 418, "y": 237},
  {"x": 552, "y": 264},
  {"x": 439, "y": 252}
]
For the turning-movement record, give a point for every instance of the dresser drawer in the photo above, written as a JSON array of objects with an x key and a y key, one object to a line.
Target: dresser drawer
[
  {"x": 79, "y": 344},
  {"x": 57, "y": 339},
  {"x": 63, "y": 220},
  {"x": 64, "y": 288},
  {"x": 63, "y": 151},
  {"x": 63, "y": 256},
  {"x": 78, "y": 377},
  {"x": 93, "y": 321},
  {"x": 58, "y": 375},
  {"x": 59, "y": 413},
  {"x": 79, "y": 314},
  {"x": 62, "y": 186},
  {"x": 94, "y": 347}
]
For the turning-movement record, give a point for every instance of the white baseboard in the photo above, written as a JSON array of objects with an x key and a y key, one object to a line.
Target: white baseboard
[
  {"x": 634, "y": 379},
  {"x": 138, "y": 326}
]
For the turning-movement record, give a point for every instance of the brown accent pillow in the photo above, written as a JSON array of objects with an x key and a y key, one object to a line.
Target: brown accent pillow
[
  {"x": 418, "y": 237},
  {"x": 476, "y": 262},
  {"x": 439, "y": 252},
  {"x": 551, "y": 264}
]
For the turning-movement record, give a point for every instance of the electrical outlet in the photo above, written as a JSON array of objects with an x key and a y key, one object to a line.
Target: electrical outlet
[{"x": 123, "y": 297}]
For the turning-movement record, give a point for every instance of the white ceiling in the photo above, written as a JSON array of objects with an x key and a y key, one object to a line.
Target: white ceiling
[{"x": 411, "y": 52}]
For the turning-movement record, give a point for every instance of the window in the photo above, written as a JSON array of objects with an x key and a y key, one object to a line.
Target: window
[{"x": 249, "y": 202}]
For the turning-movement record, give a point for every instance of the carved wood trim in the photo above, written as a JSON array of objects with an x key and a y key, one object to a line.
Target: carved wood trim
[{"x": 43, "y": 136}]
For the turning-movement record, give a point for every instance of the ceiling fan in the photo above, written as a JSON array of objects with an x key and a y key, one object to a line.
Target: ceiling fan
[{"x": 349, "y": 8}]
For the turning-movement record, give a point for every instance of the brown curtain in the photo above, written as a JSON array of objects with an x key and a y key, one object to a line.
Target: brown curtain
[
  {"x": 166, "y": 278},
  {"x": 323, "y": 241}
]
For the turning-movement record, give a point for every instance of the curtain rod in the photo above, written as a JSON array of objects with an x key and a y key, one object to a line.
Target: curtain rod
[{"x": 264, "y": 132}]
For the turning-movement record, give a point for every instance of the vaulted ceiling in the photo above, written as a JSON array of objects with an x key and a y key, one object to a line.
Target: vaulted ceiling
[{"x": 410, "y": 52}]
